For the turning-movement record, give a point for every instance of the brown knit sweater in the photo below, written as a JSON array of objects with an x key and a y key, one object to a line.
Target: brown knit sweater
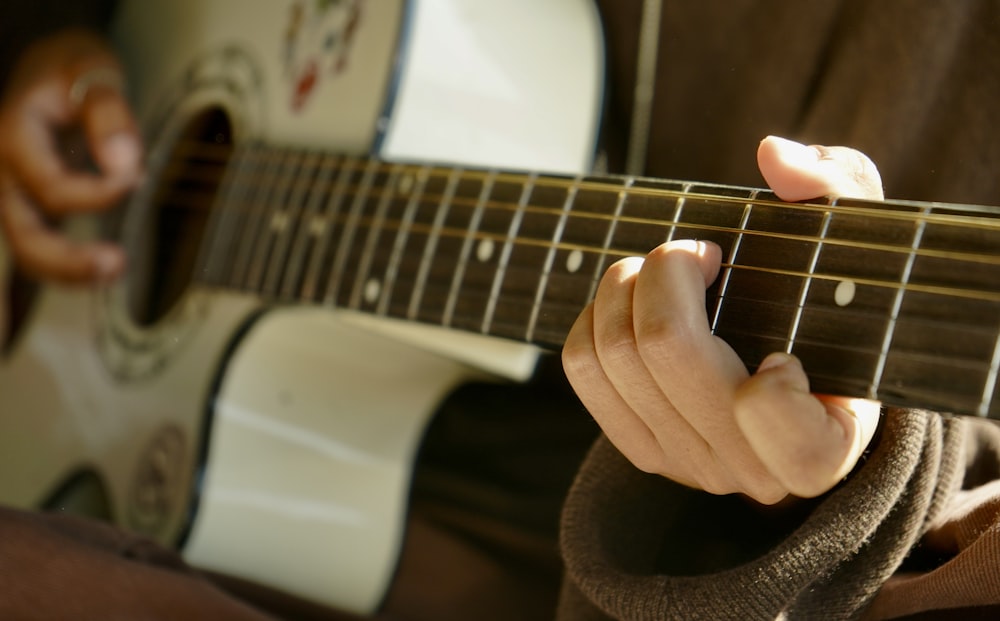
[
  {"x": 912, "y": 533},
  {"x": 916, "y": 529}
]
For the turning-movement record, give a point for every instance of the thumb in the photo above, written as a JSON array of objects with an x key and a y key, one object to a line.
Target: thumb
[
  {"x": 797, "y": 172},
  {"x": 111, "y": 131}
]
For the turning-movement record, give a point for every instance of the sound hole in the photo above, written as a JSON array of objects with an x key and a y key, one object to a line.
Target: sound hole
[{"x": 165, "y": 255}]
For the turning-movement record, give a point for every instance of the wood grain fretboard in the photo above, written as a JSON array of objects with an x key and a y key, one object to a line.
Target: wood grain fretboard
[{"x": 898, "y": 301}]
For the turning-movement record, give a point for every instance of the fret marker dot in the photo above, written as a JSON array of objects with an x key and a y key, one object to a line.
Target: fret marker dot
[
  {"x": 844, "y": 293},
  {"x": 317, "y": 226},
  {"x": 485, "y": 250},
  {"x": 372, "y": 290},
  {"x": 405, "y": 184},
  {"x": 574, "y": 261},
  {"x": 279, "y": 222}
]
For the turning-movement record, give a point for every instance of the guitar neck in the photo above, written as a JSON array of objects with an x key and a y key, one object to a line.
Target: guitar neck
[{"x": 898, "y": 301}]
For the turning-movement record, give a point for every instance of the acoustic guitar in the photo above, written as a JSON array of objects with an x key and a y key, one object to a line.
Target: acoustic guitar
[{"x": 304, "y": 289}]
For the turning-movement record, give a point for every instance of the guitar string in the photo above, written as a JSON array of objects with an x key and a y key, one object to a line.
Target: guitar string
[
  {"x": 922, "y": 252},
  {"x": 973, "y": 292},
  {"x": 974, "y": 216},
  {"x": 603, "y": 185}
]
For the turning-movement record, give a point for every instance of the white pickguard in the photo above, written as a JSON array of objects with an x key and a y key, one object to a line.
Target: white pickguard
[{"x": 312, "y": 417}]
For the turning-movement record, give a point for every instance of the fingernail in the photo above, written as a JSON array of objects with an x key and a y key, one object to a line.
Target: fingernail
[
  {"x": 775, "y": 360},
  {"x": 795, "y": 152},
  {"x": 120, "y": 155},
  {"x": 107, "y": 263}
]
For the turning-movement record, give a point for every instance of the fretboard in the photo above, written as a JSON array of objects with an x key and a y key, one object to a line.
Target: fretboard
[{"x": 898, "y": 301}]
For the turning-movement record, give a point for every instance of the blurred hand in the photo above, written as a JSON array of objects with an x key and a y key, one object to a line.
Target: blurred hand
[
  {"x": 68, "y": 82},
  {"x": 677, "y": 401}
]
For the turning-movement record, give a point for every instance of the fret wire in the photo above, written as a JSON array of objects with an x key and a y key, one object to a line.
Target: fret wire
[
  {"x": 989, "y": 386},
  {"x": 894, "y": 312},
  {"x": 727, "y": 271},
  {"x": 331, "y": 209},
  {"x": 807, "y": 283},
  {"x": 515, "y": 224},
  {"x": 290, "y": 213},
  {"x": 264, "y": 246},
  {"x": 675, "y": 222},
  {"x": 238, "y": 218},
  {"x": 430, "y": 248},
  {"x": 550, "y": 257},
  {"x": 309, "y": 196},
  {"x": 220, "y": 229},
  {"x": 347, "y": 234},
  {"x": 376, "y": 228},
  {"x": 463, "y": 258},
  {"x": 400, "y": 242},
  {"x": 311, "y": 226},
  {"x": 256, "y": 203},
  {"x": 602, "y": 258}
]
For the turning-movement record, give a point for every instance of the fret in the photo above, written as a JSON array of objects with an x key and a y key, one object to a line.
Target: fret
[
  {"x": 602, "y": 259},
  {"x": 324, "y": 226},
  {"x": 550, "y": 256},
  {"x": 990, "y": 385},
  {"x": 575, "y": 258},
  {"x": 675, "y": 221},
  {"x": 431, "y": 250},
  {"x": 762, "y": 303},
  {"x": 224, "y": 228},
  {"x": 367, "y": 286},
  {"x": 804, "y": 294},
  {"x": 339, "y": 278},
  {"x": 938, "y": 343},
  {"x": 291, "y": 215},
  {"x": 273, "y": 221},
  {"x": 311, "y": 193},
  {"x": 894, "y": 312},
  {"x": 646, "y": 218},
  {"x": 431, "y": 257},
  {"x": 405, "y": 238},
  {"x": 842, "y": 335},
  {"x": 727, "y": 270},
  {"x": 448, "y": 317},
  {"x": 509, "y": 305},
  {"x": 262, "y": 168}
]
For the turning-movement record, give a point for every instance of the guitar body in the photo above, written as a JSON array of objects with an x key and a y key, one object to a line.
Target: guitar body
[{"x": 276, "y": 444}]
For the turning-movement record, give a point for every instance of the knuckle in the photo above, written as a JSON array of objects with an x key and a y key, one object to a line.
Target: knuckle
[
  {"x": 580, "y": 362},
  {"x": 617, "y": 349},
  {"x": 651, "y": 464},
  {"x": 715, "y": 484},
  {"x": 661, "y": 341}
]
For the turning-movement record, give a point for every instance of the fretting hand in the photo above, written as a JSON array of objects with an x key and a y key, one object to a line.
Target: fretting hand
[
  {"x": 677, "y": 401},
  {"x": 68, "y": 82}
]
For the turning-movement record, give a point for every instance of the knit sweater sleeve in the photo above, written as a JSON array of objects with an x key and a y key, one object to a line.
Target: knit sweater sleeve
[{"x": 637, "y": 546}]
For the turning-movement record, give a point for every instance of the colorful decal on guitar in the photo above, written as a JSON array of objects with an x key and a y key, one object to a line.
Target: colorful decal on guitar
[{"x": 318, "y": 41}]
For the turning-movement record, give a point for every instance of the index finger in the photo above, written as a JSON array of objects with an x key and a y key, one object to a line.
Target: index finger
[
  {"x": 35, "y": 159},
  {"x": 671, "y": 324},
  {"x": 110, "y": 128}
]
